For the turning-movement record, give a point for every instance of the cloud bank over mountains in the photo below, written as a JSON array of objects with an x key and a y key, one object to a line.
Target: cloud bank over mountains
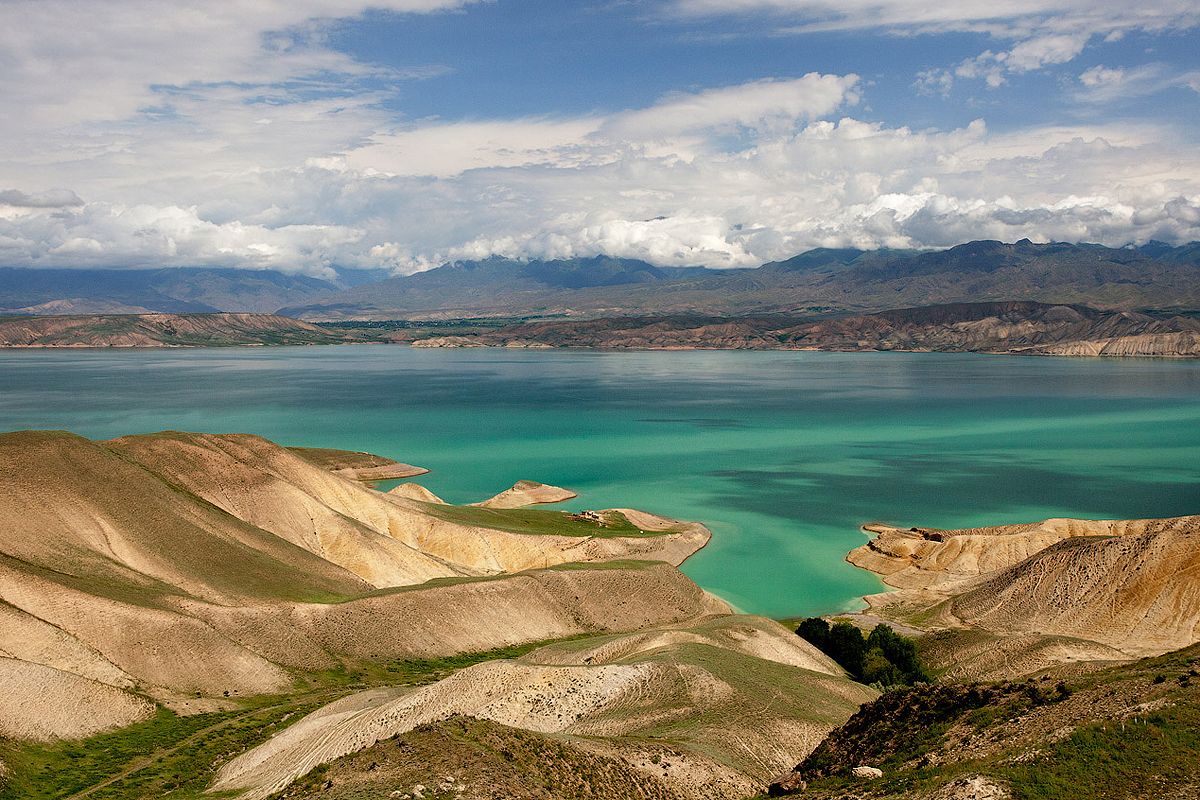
[{"x": 247, "y": 139}]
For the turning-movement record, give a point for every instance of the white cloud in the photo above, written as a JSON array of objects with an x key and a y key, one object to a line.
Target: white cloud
[
  {"x": 1101, "y": 84},
  {"x": 758, "y": 105},
  {"x": 819, "y": 183},
  {"x": 1043, "y": 32},
  {"x": 679, "y": 125},
  {"x": 987, "y": 15},
  {"x": 54, "y": 198},
  {"x": 247, "y": 141}
]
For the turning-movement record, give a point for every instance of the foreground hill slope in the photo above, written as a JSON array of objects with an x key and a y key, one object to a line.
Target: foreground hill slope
[
  {"x": 217, "y": 611},
  {"x": 1128, "y": 732},
  {"x": 1019, "y": 327},
  {"x": 729, "y": 699},
  {"x": 182, "y": 566}
]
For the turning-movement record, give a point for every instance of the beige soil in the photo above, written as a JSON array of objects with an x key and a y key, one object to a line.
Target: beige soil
[
  {"x": 706, "y": 686},
  {"x": 528, "y": 493},
  {"x": 1030, "y": 596}
]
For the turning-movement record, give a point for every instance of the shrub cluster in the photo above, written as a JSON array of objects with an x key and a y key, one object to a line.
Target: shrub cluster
[{"x": 883, "y": 657}]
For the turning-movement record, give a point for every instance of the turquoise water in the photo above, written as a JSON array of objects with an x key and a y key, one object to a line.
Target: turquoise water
[{"x": 782, "y": 454}]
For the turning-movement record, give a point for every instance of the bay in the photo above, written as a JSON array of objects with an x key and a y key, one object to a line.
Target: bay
[{"x": 782, "y": 454}]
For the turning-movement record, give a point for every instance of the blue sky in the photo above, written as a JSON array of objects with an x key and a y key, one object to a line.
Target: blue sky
[
  {"x": 403, "y": 133},
  {"x": 549, "y": 58}
]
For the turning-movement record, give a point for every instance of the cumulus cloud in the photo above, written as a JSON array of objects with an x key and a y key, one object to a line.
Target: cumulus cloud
[
  {"x": 819, "y": 182},
  {"x": 54, "y": 198},
  {"x": 256, "y": 145}
]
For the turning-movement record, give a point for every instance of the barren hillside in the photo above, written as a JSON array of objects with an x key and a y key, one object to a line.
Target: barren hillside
[
  {"x": 183, "y": 566},
  {"x": 1012, "y": 599}
]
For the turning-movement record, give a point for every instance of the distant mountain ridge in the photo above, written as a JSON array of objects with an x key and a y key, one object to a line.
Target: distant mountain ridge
[
  {"x": 815, "y": 282},
  {"x": 169, "y": 290}
]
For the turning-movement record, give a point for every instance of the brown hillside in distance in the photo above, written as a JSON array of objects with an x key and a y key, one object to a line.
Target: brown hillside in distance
[
  {"x": 1018, "y": 327},
  {"x": 160, "y": 330}
]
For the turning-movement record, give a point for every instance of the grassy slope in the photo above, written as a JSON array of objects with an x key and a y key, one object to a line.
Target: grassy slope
[
  {"x": 333, "y": 459},
  {"x": 180, "y": 755},
  {"x": 538, "y": 521},
  {"x": 486, "y": 760},
  {"x": 1131, "y": 731}
]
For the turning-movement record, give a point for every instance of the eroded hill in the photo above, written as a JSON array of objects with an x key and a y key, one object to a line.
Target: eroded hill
[
  {"x": 1067, "y": 659},
  {"x": 179, "y": 567},
  {"x": 183, "y": 611},
  {"x": 1012, "y": 599}
]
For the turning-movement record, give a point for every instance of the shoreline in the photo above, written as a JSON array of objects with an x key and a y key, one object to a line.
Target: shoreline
[{"x": 582, "y": 348}]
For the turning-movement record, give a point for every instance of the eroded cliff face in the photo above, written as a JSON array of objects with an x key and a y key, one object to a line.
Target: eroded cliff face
[{"x": 1012, "y": 599}]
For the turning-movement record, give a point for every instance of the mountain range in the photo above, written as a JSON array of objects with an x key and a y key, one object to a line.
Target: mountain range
[
  {"x": 815, "y": 283},
  {"x": 172, "y": 291}
]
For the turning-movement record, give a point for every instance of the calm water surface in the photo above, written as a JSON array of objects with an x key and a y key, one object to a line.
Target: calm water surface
[{"x": 783, "y": 455}]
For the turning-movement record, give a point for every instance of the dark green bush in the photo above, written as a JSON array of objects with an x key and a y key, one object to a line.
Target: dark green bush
[{"x": 884, "y": 657}]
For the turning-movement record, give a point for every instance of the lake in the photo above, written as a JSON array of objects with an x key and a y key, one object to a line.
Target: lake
[{"x": 782, "y": 454}]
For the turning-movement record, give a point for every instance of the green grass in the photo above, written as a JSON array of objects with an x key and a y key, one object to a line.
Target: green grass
[
  {"x": 538, "y": 522},
  {"x": 1116, "y": 760},
  {"x": 187, "y": 751},
  {"x": 1148, "y": 755},
  {"x": 184, "y": 753}
]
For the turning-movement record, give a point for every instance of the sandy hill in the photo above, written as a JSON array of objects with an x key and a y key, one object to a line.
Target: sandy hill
[
  {"x": 181, "y": 566},
  {"x": 724, "y": 701},
  {"x": 1010, "y": 600},
  {"x": 528, "y": 493}
]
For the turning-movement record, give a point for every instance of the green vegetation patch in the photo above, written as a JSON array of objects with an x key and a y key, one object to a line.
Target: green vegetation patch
[
  {"x": 177, "y": 756},
  {"x": 883, "y": 658},
  {"x": 1153, "y": 756},
  {"x": 539, "y": 522},
  {"x": 167, "y": 755},
  {"x": 1129, "y": 732}
]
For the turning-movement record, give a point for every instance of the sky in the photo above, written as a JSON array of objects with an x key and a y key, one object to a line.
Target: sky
[{"x": 304, "y": 134}]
